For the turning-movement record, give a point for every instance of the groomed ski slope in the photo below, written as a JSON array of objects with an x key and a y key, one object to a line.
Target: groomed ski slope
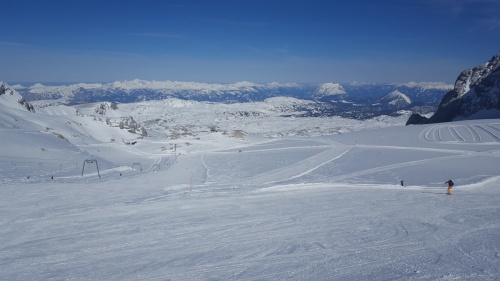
[{"x": 314, "y": 208}]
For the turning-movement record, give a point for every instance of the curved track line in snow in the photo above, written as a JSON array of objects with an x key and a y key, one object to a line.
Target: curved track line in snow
[
  {"x": 494, "y": 126},
  {"x": 495, "y": 129},
  {"x": 297, "y": 169},
  {"x": 494, "y": 137},
  {"x": 322, "y": 164},
  {"x": 443, "y": 150},
  {"x": 271, "y": 149},
  {"x": 424, "y": 134},
  {"x": 438, "y": 133},
  {"x": 480, "y": 139},
  {"x": 428, "y": 133},
  {"x": 207, "y": 170},
  {"x": 454, "y": 132},
  {"x": 307, "y": 166},
  {"x": 477, "y": 133},
  {"x": 475, "y": 136},
  {"x": 461, "y": 154},
  {"x": 394, "y": 166}
]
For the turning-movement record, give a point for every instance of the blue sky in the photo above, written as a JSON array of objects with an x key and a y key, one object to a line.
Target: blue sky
[{"x": 222, "y": 41}]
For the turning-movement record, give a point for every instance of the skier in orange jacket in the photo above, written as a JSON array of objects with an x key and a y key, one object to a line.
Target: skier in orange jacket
[{"x": 450, "y": 186}]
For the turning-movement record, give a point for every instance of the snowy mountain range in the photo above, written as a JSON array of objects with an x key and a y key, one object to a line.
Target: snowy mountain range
[
  {"x": 353, "y": 100},
  {"x": 140, "y": 90},
  {"x": 476, "y": 94}
]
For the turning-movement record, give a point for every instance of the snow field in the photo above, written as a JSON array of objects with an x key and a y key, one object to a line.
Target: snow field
[
  {"x": 213, "y": 207},
  {"x": 323, "y": 232}
]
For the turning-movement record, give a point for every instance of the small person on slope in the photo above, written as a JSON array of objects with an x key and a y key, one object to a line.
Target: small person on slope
[{"x": 450, "y": 186}]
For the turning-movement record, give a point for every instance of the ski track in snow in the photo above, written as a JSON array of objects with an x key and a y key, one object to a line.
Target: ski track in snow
[
  {"x": 456, "y": 134},
  {"x": 298, "y": 169},
  {"x": 476, "y": 133}
]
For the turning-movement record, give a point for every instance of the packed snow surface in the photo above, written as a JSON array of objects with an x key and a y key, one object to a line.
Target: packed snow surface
[{"x": 104, "y": 204}]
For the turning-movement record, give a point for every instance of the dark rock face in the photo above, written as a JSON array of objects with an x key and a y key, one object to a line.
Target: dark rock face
[
  {"x": 417, "y": 119},
  {"x": 475, "y": 90}
]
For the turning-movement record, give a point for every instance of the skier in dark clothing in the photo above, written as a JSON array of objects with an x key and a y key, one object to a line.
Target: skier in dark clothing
[{"x": 450, "y": 186}]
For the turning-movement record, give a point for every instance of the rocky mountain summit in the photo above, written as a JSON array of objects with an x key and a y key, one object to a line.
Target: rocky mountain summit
[
  {"x": 476, "y": 95},
  {"x": 11, "y": 98}
]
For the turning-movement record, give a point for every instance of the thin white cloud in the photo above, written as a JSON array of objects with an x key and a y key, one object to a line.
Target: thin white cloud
[
  {"x": 237, "y": 23},
  {"x": 12, "y": 44},
  {"x": 269, "y": 52},
  {"x": 159, "y": 35}
]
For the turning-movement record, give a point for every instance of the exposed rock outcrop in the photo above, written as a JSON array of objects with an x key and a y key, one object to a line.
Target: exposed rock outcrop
[{"x": 476, "y": 90}]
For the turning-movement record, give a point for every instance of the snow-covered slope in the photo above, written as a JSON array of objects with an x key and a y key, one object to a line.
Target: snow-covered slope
[
  {"x": 275, "y": 117},
  {"x": 327, "y": 207},
  {"x": 124, "y": 127},
  {"x": 55, "y": 139}
]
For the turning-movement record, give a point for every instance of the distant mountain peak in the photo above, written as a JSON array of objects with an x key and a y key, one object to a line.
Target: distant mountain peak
[
  {"x": 396, "y": 94},
  {"x": 330, "y": 89},
  {"x": 396, "y": 99}
]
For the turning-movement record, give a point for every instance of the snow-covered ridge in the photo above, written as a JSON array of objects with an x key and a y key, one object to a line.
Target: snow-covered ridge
[
  {"x": 471, "y": 77},
  {"x": 426, "y": 85},
  {"x": 40, "y": 88},
  {"x": 129, "y": 85},
  {"x": 17, "y": 87},
  {"x": 141, "y": 90},
  {"x": 12, "y": 99}
]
